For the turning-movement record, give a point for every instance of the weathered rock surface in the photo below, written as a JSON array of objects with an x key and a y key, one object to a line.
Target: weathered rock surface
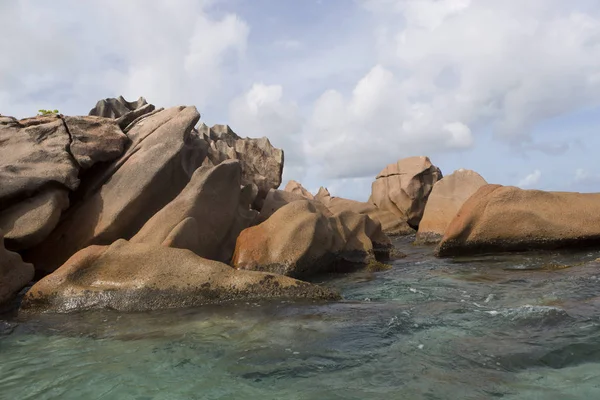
[
  {"x": 446, "y": 198},
  {"x": 29, "y": 222},
  {"x": 300, "y": 240},
  {"x": 262, "y": 164},
  {"x": 505, "y": 218},
  {"x": 137, "y": 277},
  {"x": 34, "y": 155},
  {"x": 206, "y": 217},
  {"x": 117, "y": 202},
  {"x": 277, "y": 199},
  {"x": 296, "y": 188},
  {"x": 403, "y": 188},
  {"x": 95, "y": 139},
  {"x": 14, "y": 273},
  {"x": 390, "y": 223},
  {"x": 125, "y": 112}
]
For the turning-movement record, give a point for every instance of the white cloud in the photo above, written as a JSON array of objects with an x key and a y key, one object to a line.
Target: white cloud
[
  {"x": 531, "y": 180},
  {"x": 450, "y": 70},
  {"x": 78, "y": 52}
]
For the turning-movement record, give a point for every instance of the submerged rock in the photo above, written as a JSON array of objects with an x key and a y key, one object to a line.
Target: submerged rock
[
  {"x": 505, "y": 218},
  {"x": 403, "y": 188},
  {"x": 14, "y": 273},
  {"x": 446, "y": 198},
  {"x": 303, "y": 239},
  {"x": 138, "y": 277},
  {"x": 206, "y": 217}
]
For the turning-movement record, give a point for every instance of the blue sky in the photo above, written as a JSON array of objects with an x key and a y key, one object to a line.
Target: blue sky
[{"x": 510, "y": 89}]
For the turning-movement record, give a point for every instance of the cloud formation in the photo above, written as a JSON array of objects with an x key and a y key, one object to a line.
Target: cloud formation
[{"x": 531, "y": 180}]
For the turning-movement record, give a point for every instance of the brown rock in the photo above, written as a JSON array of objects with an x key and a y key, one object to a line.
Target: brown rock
[
  {"x": 277, "y": 199},
  {"x": 262, "y": 164},
  {"x": 206, "y": 217},
  {"x": 300, "y": 240},
  {"x": 117, "y": 202},
  {"x": 390, "y": 223},
  {"x": 34, "y": 155},
  {"x": 403, "y": 188},
  {"x": 95, "y": 139},
  {"x": 14, "y": 273},
  {"x": 29, "y": 222},
  {"x": 296, "y": 188},
  {"x": 138, "y": 277},
  {"x": 446, "y": 198},
  {"x": 505, "y": 218}
]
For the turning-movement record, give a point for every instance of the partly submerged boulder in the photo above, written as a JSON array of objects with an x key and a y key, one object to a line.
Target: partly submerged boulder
[
  {"x": 138, "y": 277},
  {"x": 301, "y": 239},
  {"x": 390, "y": 223},
  {"x": 14, "y": 273},
  {"x": 262, "y": 164},
  {"x": 403, "y": 188},
  {"x": 446, "y": 198},
  {"x": 505, "y": 218},
  {"x": 119, "y": 200},
  {"x": 206, "y": 217}
]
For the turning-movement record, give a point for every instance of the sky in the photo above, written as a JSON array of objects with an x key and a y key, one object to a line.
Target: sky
[{"x": 510, "y": 89}]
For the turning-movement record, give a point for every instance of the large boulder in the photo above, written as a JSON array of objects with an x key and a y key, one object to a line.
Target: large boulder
[
  {"x": 403, "y": 188},
  {"x": 262, "y": 164},
  {"x": 29, "y": 222},
  {"x": 505, "y": 218},
  {"x": 390, "y": 223},
  {"x": 14, "y": 273},
  {"x": 301, "y": 240},
  {"x": 34, "y": 155},
  {"x": 206, "y": 217},
  {"x": 121, "y": 198},
  {"x": 41, "y": 160},
  {"x": 446, "y": 198},
  {"x": 275, "y": 200},
  {"x": 138, "y": 277}
]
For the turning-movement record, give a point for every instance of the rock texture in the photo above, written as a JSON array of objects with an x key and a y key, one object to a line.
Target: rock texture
[
  {"x": 119, "y": 200},
  {"x": 34, "y": 155},
  {"x": 296, "y": 188},
  {"x": 29, "y": 222},
  {"x": 14, "y": 273},
  {"x": 262, "y": 164},
  {"x": 138, "y": 277},
  {"x": 390, "y": 223},
  {"x": 95, "y": 139},
  {"x": 446, "y": 198},
  {"x": 301, "y": 240},
  {"x": 277, "y": 199},
  {"x": 504, "y": 218},
  {"x": 206, "y": 217},
  {"x": 125, "y": 112},
  {"x": 403, "y": 188}
]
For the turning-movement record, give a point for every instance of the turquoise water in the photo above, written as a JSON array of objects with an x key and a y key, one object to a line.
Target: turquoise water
[{"x": 511, "y": 327}]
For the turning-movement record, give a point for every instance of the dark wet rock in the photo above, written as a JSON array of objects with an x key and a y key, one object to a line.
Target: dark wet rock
[
  {"x": 14, "y": 273},
  {"x": 138, "y": 277}
]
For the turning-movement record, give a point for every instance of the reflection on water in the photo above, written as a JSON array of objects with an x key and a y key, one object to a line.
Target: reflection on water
[{"x": 519, "y": 326}]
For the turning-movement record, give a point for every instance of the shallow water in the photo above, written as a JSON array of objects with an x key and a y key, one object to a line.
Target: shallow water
[{"x": 518, "y": 326}]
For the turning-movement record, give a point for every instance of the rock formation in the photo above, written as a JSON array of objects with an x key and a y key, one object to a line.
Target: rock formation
[
  {"x": 14, "y": 273},
  {"x": 125, "y": 112},
  {"x": 296, "y": 188},
  {"x": 117, "y": 202},
  {"x": 206, "y": 217},
  {"x": 446, "y": 198},
  {"x": 505, "y": 218},
  {"x": 138, "y": 277},
  {"x": 390, "y": 223},
  {"x": 320, "y": 243},
  {"x": 403, "y": 188},
  {"x": 262, "y": 164}
]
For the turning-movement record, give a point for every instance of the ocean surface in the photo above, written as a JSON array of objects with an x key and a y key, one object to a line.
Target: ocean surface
[{"x": 515, "y": 326}]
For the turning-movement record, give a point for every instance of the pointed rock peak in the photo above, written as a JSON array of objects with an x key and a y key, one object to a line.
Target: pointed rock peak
[
  {"x": 297, "y": 188},
  {"x": 223, "y": 132}
]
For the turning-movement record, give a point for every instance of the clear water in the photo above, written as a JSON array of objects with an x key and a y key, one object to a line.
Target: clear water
[{"x": 511, "y": 327}]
